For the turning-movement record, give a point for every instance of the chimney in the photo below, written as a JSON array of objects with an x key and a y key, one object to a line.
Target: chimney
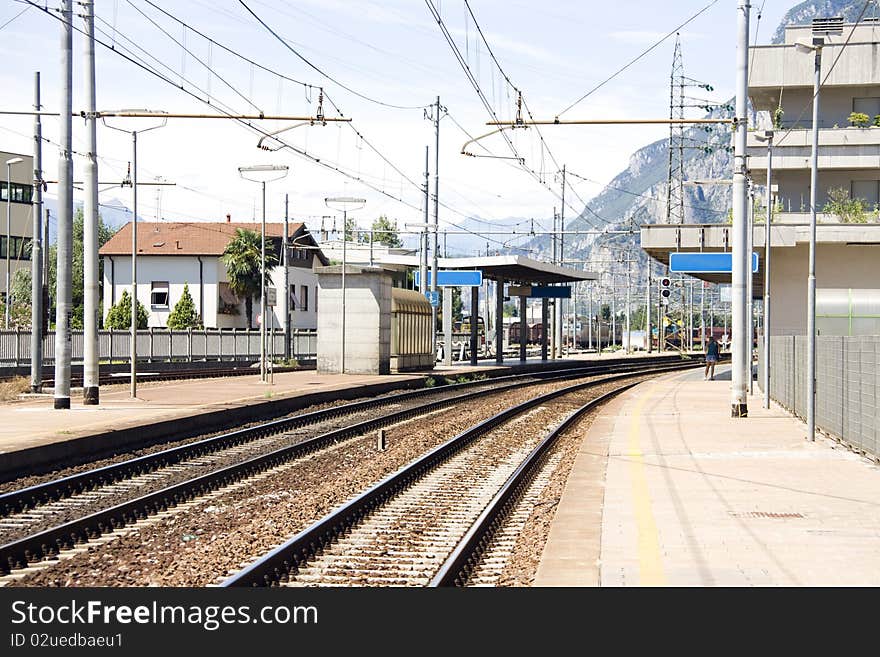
[
  {"x": 178, "y": 243},
  {"x": 228, "y": 217}
]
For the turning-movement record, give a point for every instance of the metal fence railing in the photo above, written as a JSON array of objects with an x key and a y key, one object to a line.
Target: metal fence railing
[
  {"x": 847, "y": 385},
  {"x": 163, "y": 345}
]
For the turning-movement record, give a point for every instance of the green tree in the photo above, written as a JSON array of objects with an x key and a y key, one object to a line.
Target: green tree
[
  {"x": 386, "y": 232},
  {"x": 184, "y": 315},
  {"x": 119, "y": 316},
  {"x": 242, "y": 260},
  {"x": 849, "y": 210}
]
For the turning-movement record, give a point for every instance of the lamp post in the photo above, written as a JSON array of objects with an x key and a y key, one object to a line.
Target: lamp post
[
  {"x": 134, "y": 186},
  {"x": 767, "y": 137},
  {"x": 815, "y": 48},
  {"x": 9, "y": 163},
  {"x": 345, "y": 203},
  {"x": 263, "y": 173}
]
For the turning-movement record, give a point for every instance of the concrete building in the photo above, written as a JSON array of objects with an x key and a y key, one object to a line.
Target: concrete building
[
  {"x": 173, "y": 254},
  {"x": 847, "y": 254},
  {"x": 20, "y": 214}
]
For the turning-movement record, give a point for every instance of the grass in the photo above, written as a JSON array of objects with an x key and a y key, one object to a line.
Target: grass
[{"x": 10, "y": 390}]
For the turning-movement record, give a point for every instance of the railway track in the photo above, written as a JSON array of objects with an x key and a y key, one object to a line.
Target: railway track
[
  {"x": 429, "y": 522},
  {"x": 43, "y": 520}
]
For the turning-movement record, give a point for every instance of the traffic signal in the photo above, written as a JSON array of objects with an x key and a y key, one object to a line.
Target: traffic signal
[{"x": 664, "y": 288}]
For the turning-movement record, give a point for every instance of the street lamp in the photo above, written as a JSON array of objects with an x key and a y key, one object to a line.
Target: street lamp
[
  {"x": 134, "y": 186},
  {"x": 816, "y": 49},
  {"x": 767, "y": 137},
  {"x": 345, "y": 203},
  {"x": 9, "y": 163},
  {"x": 263, "y": 173}
]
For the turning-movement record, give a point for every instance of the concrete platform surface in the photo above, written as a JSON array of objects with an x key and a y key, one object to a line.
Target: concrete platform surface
[{"x": 669, "y": 490}]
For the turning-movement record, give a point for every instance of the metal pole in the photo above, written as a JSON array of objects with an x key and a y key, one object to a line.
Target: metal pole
[
  {"x": 47, "y": 306},
  {"x": 436, "y": 228},
  {"x": 344, "y": 262},
  {"x": 90, "y": 221},
  {"x": 475, "y": 313},
  {"x": 750, "y": 282},
  {"x": 6, "y": 300},
  {"x": 523, "y": 328},
  {"x": 423, "y": 237},
  {"x": 287, "y": 285},
  {"x": 544, "y": 307},
  {"x": 649, "y": 342},
  {"x": 590, "y": 318},
  {"x": 628, "y": 331},
  {"x": 37, "y": 251},
  {"x": 554, "y": 344},
  {"x": 559, "y": 302},
  {"x": 263, "y": 378},
  {"x": 499, "y": 322},
  {"x": 738, "y": 399},
  {"x": 769, "y": 200},
  {"x": 702, "y": 316},
  {"x": 65, "y": 217},
  {"x": 134, "y": 196},
  {"x": 811, "y": 276}
]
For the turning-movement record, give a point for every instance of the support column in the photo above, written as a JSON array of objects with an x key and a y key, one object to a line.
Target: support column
[
  {"x": 447, "y": 326},
  {"x": 523, "y": 328},
  {"x": 545, "y": 305},
  {"x": 475, "y": 316},
  {"x": 499, "y": 321}
]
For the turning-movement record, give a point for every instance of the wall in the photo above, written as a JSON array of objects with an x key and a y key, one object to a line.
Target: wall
[
  {"x": 20, "y": 214},
  {"x": 837, "y": 266}
]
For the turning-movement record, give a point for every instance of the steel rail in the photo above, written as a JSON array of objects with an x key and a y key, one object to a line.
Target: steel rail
[
  {"x": 54, "y": 490},
  {"x": 458, "y": 566},
  {"x": 275, "y": 566},
  {"x": 18, "y": 553}
]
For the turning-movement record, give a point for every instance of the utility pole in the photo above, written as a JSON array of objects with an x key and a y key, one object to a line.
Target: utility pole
[
  {"x": 37, "y": 251},
  {"x": 628, "y": 331},
  {"x": 590, "y": 318},
  {"x": 741, "y": 258},
  {"x": 286, "y": 278},
  {"x": 64, "y": 266},
  {"x": 90, "y": 221},
  {"x": 436, "y": 228}
]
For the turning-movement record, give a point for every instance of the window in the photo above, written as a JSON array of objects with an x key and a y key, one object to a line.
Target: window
[
  {"x": 867, "y": 190},
  {"x": 869, "y": 106},
  {"x": 316, "y": 298},
  {"x": 159, "y": 294},
  {"x": 304, "y": 297},
  {"x": 21, "y": 193},
  {"x": 291, "y": 297}
]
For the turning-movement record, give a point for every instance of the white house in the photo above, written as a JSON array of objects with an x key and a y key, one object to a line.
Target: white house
[{"x": 172, "y": 254}]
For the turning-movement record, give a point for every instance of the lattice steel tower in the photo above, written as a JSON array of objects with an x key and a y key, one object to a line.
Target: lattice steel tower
[{"x": 675, "y": 178}]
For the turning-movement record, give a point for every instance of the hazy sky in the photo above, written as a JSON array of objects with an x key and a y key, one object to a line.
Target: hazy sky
[{"x": 392, "y": 51}]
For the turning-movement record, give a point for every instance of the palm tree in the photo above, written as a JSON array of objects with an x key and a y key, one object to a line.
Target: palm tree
[{"x": 242, "y": 259}]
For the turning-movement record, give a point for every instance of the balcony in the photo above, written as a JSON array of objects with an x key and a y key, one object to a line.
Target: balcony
[
  {"x": 839, "y": 148},
  {"x": 778, "y": 66}
]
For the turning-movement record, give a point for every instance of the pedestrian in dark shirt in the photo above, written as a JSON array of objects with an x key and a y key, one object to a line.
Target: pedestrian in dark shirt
[{"x": 711, "y": 359}]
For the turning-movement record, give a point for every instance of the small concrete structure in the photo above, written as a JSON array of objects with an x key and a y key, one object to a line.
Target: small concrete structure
[{"x": 354, "y": 321}]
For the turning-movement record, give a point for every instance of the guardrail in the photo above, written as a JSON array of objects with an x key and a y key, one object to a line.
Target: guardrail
[
  {"x": 157, "y": 345},
  {"x": 847, "y": 385}
]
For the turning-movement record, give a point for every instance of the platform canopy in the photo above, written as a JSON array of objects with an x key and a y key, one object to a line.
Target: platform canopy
[{"x": 509, "y": 268}]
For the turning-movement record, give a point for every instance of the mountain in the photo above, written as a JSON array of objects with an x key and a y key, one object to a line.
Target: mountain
[
  {"x": 638, "y": 194},
  {"x": 114, "y": 214}
]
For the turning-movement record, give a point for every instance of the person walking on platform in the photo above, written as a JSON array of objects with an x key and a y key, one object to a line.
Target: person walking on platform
[{"x": 711, "y": 359}]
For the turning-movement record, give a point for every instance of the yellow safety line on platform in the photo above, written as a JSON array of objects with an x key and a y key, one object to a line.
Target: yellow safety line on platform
[{"x": 650, "y": 562}]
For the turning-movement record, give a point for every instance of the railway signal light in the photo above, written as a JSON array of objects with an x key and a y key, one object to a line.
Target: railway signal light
[{"x": 664, "y": 288}]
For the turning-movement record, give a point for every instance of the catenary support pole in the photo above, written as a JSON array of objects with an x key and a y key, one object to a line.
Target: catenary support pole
[
  {"x": 286, "y": 281},
  {"x": 37, "y": 251},
  {"x": 134, "y": 299},
  {"x": 768, "y": 199},
  {"x": 560, "y": 303},
  {"x": 90, "y": 220},
  {"x": 436, "y": 226},
  {"x": 447, "y": 326},
  {"x": 750, "y": 279},
  {"x": 740, "y": 365},
  {"x": 263, "y": 370},
  {"x": 544, "y": 308},
  {"x": 64, "y": 265},
  {"x": 649, "y": 341},
  {"x": 523, "y": 328}
]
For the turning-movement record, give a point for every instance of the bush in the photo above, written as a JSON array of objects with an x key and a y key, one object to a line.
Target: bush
[
  {"x": 778, "y": 113},
  {"x": 859, "y": 119},
  {"x": 184, "y": 315},
  {"x": 877, "y": 120},
  {"x": 849, "y": 210},
  {"x": 119, "y": 316}
]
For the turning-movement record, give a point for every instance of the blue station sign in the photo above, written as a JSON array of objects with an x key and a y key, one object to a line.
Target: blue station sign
[
  {"x": 705, "y": 263},
  {"x": 454, "y": 278},
  {"x": 539, "y": 291}
]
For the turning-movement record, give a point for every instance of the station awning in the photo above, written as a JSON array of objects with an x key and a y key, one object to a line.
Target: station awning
[{"x": 510, "y": 268}]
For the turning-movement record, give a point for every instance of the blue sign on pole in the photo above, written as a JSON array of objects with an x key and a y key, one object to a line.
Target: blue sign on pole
[
  {"x": 705, "y": 263},
  {"x": 433, "y": 297},
  {"x": 454, "y": 278}
]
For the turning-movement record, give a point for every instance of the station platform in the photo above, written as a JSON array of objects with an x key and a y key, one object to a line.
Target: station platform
[
  {"x": 669, "y": 490},
  {"x": 34, "y": 434}
]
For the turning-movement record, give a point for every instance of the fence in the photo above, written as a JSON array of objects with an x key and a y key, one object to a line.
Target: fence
[
  {"x": 164, "y": 345},
  {"x": 847, "y": 385}
]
